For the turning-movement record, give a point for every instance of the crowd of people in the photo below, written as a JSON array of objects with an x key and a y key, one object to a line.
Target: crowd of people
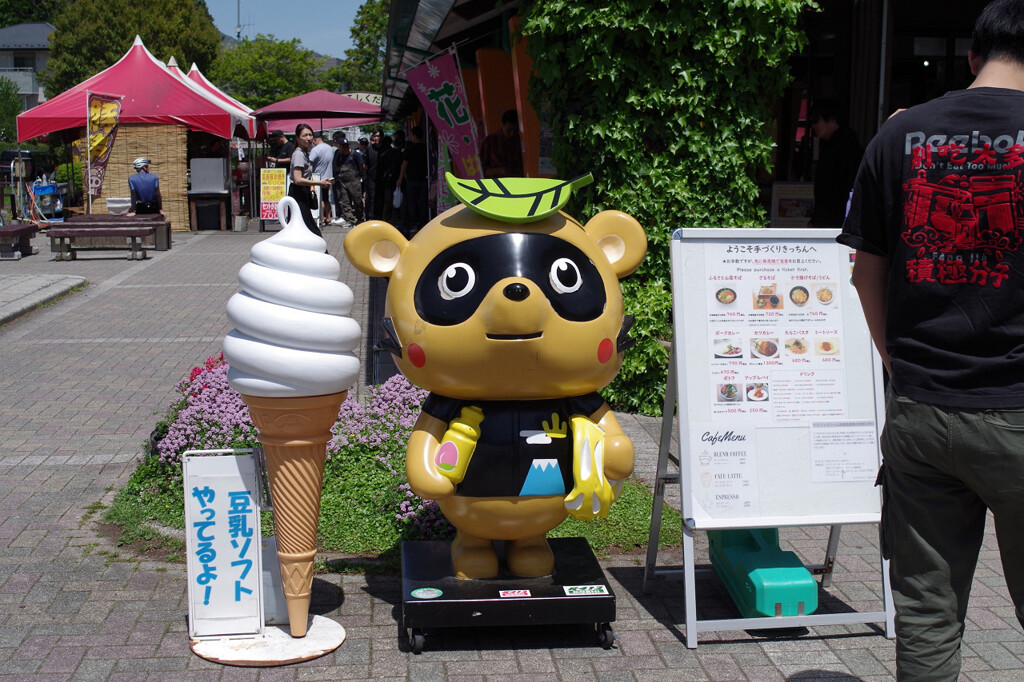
[{"x": 359, "y": 180}]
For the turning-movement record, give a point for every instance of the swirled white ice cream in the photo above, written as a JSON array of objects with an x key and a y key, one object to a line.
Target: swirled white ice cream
[{"x": 293, "y": 335}]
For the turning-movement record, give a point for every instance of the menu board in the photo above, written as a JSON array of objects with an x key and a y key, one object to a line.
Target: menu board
[{"x": 780, "y": 402}]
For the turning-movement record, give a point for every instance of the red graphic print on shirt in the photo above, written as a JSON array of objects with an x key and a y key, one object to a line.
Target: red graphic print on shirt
[{"x": 962, "y": 225}]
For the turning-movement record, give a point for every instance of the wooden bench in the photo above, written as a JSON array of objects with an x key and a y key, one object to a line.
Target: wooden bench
[
  {"x": 16, "y": 240},
  {"x": 62, "y": 239},
  {"x": 161, "y": 240}
]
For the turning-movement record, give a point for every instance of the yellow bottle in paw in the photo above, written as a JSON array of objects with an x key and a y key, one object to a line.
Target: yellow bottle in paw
[
  {"x": 593, "y": 494},
  {"x": 458, "y": 443}
]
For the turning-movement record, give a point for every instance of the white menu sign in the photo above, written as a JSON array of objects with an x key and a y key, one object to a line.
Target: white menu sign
[{"x": 780, "y": 393}]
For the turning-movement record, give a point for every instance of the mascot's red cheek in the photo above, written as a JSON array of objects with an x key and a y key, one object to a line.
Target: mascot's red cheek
[
  {"x": 604, "y": 351},
  {"x": 416, "y": 355}
]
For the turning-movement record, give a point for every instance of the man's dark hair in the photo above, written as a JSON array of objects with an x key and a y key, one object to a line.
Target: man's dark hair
[
  {"x": 826, "y": 109},
  {"x": 510, "y": 116},
  {"x": 999, "y": 31},
  {"x": 417, "y": 131}
]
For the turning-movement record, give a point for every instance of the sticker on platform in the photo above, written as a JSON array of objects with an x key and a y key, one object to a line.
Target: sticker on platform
[
  {"x": 584, "y": 590},
  {"x": 505, "y": 594},
  {"x": 426, "y": 593}
]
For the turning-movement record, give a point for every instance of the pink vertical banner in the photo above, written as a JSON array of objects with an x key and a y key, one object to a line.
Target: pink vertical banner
[{"x": 438, "y": 85}]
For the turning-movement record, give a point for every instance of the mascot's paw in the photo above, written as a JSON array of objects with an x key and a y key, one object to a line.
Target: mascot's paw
[
  {"x": 474, "y": 558},
  {"x": 530, "y": 557}
]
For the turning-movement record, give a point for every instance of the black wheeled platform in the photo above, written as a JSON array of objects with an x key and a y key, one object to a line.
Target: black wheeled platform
[{"x": 432, "y": 597}]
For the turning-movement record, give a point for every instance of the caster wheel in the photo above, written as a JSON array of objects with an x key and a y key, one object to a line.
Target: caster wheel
[
  {"x": 417, "y": 640},
  {"x": 605, "y": 636}
]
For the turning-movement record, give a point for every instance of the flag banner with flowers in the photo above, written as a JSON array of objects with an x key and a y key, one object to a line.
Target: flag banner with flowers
[
  {"x": 438, "y": 85},
  {"x": 104, "y": 111}
]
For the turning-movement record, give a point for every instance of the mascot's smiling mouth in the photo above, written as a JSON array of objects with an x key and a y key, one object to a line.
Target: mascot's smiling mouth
[{"x": 514, "y": 337}]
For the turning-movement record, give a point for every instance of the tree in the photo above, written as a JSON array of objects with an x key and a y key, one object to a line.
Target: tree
[
  {"x": 264, "y": 70},
  {"x": 10, "y": 107},
  {"x": 363, "y": 67},
  {"x": 21, "y": 12},
  {"x": 93, "y": 34},
  {"x": 668, "y": 104}
]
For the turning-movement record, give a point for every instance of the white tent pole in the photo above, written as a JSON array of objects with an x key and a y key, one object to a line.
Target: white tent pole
[{"x": 88, "y": 154}]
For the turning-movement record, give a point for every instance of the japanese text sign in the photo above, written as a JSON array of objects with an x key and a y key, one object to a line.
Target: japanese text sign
[
  {"x": 272, "y": 190},
  {"x": 438, "y": 85},
  {"x": 222, "y": 529}
]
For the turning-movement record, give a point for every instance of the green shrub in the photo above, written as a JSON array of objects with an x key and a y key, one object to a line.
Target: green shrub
[{"x": 667, "y": 104}]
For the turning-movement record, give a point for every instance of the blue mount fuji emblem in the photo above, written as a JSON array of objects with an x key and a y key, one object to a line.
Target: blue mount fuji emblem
[{"x": 545, "y": 478}]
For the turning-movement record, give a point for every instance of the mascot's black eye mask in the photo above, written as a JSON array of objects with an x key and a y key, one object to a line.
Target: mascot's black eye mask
[{"x": 452, "y": 286}]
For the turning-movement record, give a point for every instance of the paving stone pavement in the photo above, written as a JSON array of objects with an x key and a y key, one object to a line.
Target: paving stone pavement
[{"x": 84, "y": 381}]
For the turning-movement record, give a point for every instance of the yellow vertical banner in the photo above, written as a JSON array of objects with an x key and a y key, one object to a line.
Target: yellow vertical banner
[{"x": 104, "y": 112}]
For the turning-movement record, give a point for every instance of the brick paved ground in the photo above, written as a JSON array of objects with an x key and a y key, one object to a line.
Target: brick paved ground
[{"x": 83, "y": 382}]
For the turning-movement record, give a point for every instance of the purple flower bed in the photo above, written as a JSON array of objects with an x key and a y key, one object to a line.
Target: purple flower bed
[{"x": 210, "y": 415}]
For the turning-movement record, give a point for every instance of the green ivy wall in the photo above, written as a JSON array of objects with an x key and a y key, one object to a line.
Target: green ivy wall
[{"x": 668, "y": 104}]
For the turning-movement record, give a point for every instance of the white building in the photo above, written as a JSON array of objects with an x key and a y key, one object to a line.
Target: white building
[{"x": 24, "y": 51}]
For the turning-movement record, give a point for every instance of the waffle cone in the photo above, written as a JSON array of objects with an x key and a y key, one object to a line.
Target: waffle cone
[{"x": 294, "y": 433}]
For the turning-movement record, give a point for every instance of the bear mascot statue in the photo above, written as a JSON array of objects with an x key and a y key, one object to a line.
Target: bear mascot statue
[{"x": 510, "y": 313}]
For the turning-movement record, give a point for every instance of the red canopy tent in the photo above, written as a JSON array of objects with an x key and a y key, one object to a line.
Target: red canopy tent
[
  {"x": 328, "y": 109},
  {"x": 152, "y": 94}
]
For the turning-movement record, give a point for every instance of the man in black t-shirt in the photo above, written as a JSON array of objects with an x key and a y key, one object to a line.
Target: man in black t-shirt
[{"x": 937, "y": 219}]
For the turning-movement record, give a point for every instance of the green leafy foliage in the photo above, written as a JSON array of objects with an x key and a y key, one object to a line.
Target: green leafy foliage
[
  {"x": 10, "y": 107},
  {"x": 667, "y": 103},
  {"x": 363, "y": 66},
  {"x": 22, "y": 12},
  {"x": 93, "y": 34},
  {"x": 265, "y": 70}
]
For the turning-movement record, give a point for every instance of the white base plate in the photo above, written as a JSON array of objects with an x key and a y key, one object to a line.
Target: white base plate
[{"x": 274, "y": 647}]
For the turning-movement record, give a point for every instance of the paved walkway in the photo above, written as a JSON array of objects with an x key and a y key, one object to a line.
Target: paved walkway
[{"x": 83, "y": 382}]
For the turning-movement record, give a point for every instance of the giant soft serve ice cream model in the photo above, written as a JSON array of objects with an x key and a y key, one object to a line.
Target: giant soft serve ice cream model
[{"x": 292, "y": 359}]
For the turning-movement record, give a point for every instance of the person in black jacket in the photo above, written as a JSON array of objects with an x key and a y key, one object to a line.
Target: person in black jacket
[{"x": 839, "y": 157}]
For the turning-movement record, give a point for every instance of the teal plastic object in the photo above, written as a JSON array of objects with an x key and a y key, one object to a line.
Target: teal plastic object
[{"x": 763, "y": 580}]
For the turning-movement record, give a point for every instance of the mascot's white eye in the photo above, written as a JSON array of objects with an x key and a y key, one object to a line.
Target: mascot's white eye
[
  {"x": 456, "y": 281},
  {"x": 565, "y": 276}
]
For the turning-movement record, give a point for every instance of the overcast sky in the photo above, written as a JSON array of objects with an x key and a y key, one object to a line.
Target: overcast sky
[{"x": 320, "y": 25}]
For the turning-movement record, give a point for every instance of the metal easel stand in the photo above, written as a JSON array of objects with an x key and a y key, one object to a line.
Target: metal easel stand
[{"x": 688, "y": 570}]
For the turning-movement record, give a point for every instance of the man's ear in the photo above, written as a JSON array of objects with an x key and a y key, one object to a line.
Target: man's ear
[
  {"x": 374, "y": 248},
  {"x": 621, "y": 239}
]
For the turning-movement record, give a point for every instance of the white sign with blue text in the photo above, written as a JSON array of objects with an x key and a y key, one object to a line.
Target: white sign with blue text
[{"x": 222, "y": 525}]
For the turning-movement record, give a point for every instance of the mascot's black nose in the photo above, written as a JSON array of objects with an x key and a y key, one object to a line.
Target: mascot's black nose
[{"x": 516, "y": 292}]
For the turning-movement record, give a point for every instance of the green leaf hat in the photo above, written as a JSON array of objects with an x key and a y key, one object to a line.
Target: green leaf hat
[{"x": 515, "y": 200}]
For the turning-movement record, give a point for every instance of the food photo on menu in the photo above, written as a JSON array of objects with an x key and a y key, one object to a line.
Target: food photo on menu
[
  {"x": 796, "y": 345},
  {"x": 757, "y": 391},
  {"x": 765, "y": 298},
  {"x": 725, "y": 295},
  {"x": 799, "y": 295},
  {"x": 828, "y": 346},
  {"x": 764, "y": 348},
  {"x": 728, "y": 348},
  {"x": 730, "y": 393},
  {"x": 825, "y": 294}
]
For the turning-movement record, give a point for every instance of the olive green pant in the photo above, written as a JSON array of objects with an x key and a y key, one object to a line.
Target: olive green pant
[{"x": 942, "y": 469}]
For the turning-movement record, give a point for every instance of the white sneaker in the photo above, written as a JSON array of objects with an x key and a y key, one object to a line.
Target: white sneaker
[{"x": 338, "y": 221}]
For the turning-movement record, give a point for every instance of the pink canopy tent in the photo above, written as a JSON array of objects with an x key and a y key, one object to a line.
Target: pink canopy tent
[
  {"x": 196, "y": 76},
  {"x": 254, "y": 129},
  {"x": 320, "y": 109},
  {"x": 151, "y": 93}
]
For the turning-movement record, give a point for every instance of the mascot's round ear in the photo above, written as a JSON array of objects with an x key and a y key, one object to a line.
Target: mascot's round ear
[
  {"x": 621, "y": 238},
  {"x": 374, "y": 248}
]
